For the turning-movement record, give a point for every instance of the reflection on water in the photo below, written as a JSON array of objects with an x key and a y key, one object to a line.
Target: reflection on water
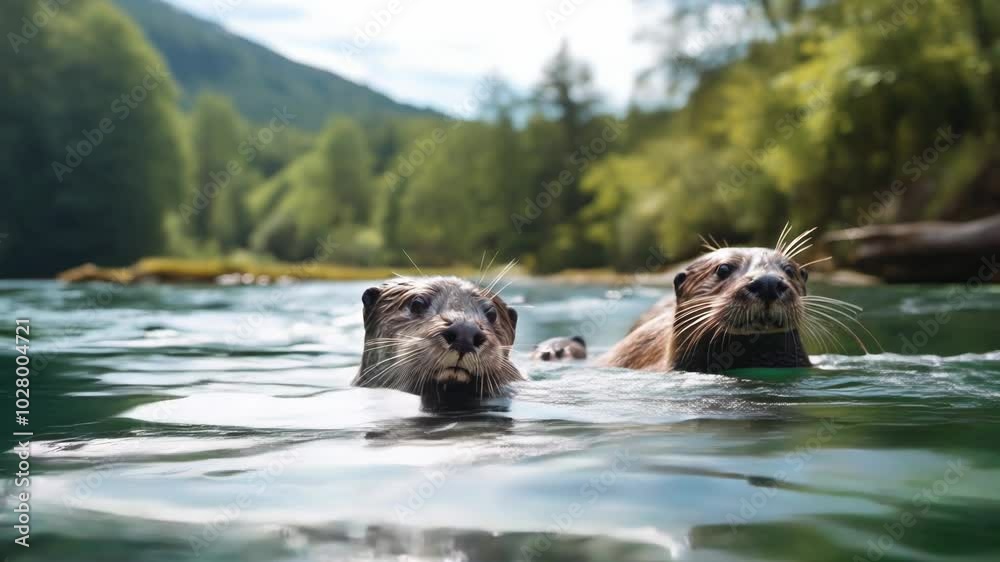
[{"x": 184, "y": 423}]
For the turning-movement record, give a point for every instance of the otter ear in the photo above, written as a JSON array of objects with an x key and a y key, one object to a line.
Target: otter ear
[
  {"x": 370, "y": 297},
  {"x": 579, "y": 340},
  {"x": 805, "y": 274},
  {"x": 513, "y": 317},
  {"x": 678, "y": 281}
]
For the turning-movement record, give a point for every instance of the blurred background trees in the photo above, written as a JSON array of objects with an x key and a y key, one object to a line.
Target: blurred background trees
[{"x": 830, "y": 114}]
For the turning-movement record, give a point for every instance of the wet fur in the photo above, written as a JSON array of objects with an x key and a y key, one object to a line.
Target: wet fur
[
  {"x": 713, "y": 324},
  {"x": 405, "y": 351}
]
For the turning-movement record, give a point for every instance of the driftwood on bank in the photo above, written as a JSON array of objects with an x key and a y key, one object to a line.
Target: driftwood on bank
[{"x": 922, "y": 252}]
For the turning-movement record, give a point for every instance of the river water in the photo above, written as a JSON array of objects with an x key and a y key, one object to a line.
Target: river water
[{"x": 218, "y": 423}]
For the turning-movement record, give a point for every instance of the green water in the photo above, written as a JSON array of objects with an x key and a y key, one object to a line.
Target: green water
[{"x": 204, "y": 423}]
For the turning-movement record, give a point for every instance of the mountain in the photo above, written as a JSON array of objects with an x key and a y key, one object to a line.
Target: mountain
[{"x": 205, "y": 57}]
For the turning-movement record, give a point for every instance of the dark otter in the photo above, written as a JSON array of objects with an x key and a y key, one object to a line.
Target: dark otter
[
  {"x": 441, "y": 338},
  {"x": 731, "y": 308}
]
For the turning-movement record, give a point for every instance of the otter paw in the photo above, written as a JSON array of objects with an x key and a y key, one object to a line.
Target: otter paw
[{"x": 559, "y": 349}]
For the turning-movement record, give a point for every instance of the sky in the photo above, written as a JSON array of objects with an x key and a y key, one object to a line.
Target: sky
[{"x": 435, "y": 52}]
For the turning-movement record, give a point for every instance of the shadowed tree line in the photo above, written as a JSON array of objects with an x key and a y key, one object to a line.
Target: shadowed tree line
[{"x": 833, "y": 114}]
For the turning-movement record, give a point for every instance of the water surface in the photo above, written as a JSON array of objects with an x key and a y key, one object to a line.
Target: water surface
[{"x": 218, "y": 424}]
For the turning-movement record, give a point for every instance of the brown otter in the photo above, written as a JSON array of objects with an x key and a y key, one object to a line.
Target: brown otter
[
  {"x": 442, "y": 338},
  {"x": 731, "y": 308},
  {"x": 561, "y": 348}
]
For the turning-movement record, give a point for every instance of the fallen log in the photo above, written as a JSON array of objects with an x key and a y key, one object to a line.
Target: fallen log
[{"x": 921, "y": 252}]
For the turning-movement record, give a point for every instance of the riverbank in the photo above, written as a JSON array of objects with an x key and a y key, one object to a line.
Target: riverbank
[
  {"x": 234, "y": 272},
  {"x": 249, "y": 272}
]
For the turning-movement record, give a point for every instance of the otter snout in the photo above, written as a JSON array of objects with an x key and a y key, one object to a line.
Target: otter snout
[
  {"x": 463, "y": 337},
  {"x": 767, "y": 288}
]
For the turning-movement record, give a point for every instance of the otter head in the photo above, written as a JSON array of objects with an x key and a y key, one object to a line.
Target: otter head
[
  {"x": 425, "y": 332},
  {"x": 742, "y": 291},
  {"x": 739, "y": 307}
]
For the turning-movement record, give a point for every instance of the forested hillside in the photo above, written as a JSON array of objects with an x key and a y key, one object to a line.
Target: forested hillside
[
  {"x": 203, "y": 57},
  {"x": 841, "y": 114}
]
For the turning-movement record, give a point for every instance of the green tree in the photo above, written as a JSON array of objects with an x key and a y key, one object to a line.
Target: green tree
[
  {"x": 217, "y": 131},
  {"x": 323, "y": 200},
  {"x": 92, "y": 151}
]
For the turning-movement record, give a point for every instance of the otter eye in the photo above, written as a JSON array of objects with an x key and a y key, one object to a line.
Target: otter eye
[
  {"x": 790, "y": 271},
  {"x": 491, "y": 314},
  {"x": 419, "y": 305},
  {"x": 724, "y": 270}
]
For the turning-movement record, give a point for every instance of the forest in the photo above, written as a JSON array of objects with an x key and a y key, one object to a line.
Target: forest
[{"x": 827, "y": 114}]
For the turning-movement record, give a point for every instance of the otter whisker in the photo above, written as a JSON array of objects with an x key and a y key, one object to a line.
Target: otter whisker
[
  {"x": 403, "y": 354},
  {"x": 388, "y": 376},
  {"x": 842, "y": 325},
  {"x": 781, "y": 237},
  {"x": 427, "y": 371},
  {"x": 688, "y": 314},
  {"x": 482, "y": 273},
  {"x": 417, "y": 267},
  {"x": 498, "y": 293},
  {"x": 852, "y": 316},
  {"x": 387, "y": 359},
  {"x": 708, "y": 348},
  {"x": 510, "y": 265},
  {"x": 801, "y": 239},
  {"x": 821, "y": 333},
  {"x": 693, "y": 322},
  {"x": 712, "y": 244},
  {"x": 798, "y": 251},
  {"x": 696, "y": 335},
  {"x": 808, "y": 298},
  {"x": 389, "y": 344},
  {"x": 827, "y": 258},
  {"x": 482, "y": 261}
]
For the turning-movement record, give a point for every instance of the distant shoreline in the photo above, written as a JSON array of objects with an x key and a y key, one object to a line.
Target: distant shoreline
[{"x": 243, "y": 272}]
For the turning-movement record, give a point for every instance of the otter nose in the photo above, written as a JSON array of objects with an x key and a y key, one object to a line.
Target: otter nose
[
  {"x": 768, "y": 287},
  {"x": 464, "y": 337}
]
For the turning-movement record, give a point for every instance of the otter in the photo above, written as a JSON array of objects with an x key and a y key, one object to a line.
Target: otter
[
  {"x": 732, "y": 308},
  {"x": 561, "y": 348},
  {"x": 442, "y": 338}
]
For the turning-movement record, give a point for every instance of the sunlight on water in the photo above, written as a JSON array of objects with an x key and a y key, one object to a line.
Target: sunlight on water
[{"x": 202, "y": 423}]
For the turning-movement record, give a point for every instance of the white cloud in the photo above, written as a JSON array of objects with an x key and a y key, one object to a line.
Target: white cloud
[{"x": 432, "y": 52}]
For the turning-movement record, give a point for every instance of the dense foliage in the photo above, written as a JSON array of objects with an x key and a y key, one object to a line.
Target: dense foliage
[
  {"x": 830, "y": 114},
  {"x": 92, "y": 154}
]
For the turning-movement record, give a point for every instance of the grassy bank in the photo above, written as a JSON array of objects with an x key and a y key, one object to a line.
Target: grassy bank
[
  {"x": 248, "y": 271},
  {"x": 235, "y": 272}
]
